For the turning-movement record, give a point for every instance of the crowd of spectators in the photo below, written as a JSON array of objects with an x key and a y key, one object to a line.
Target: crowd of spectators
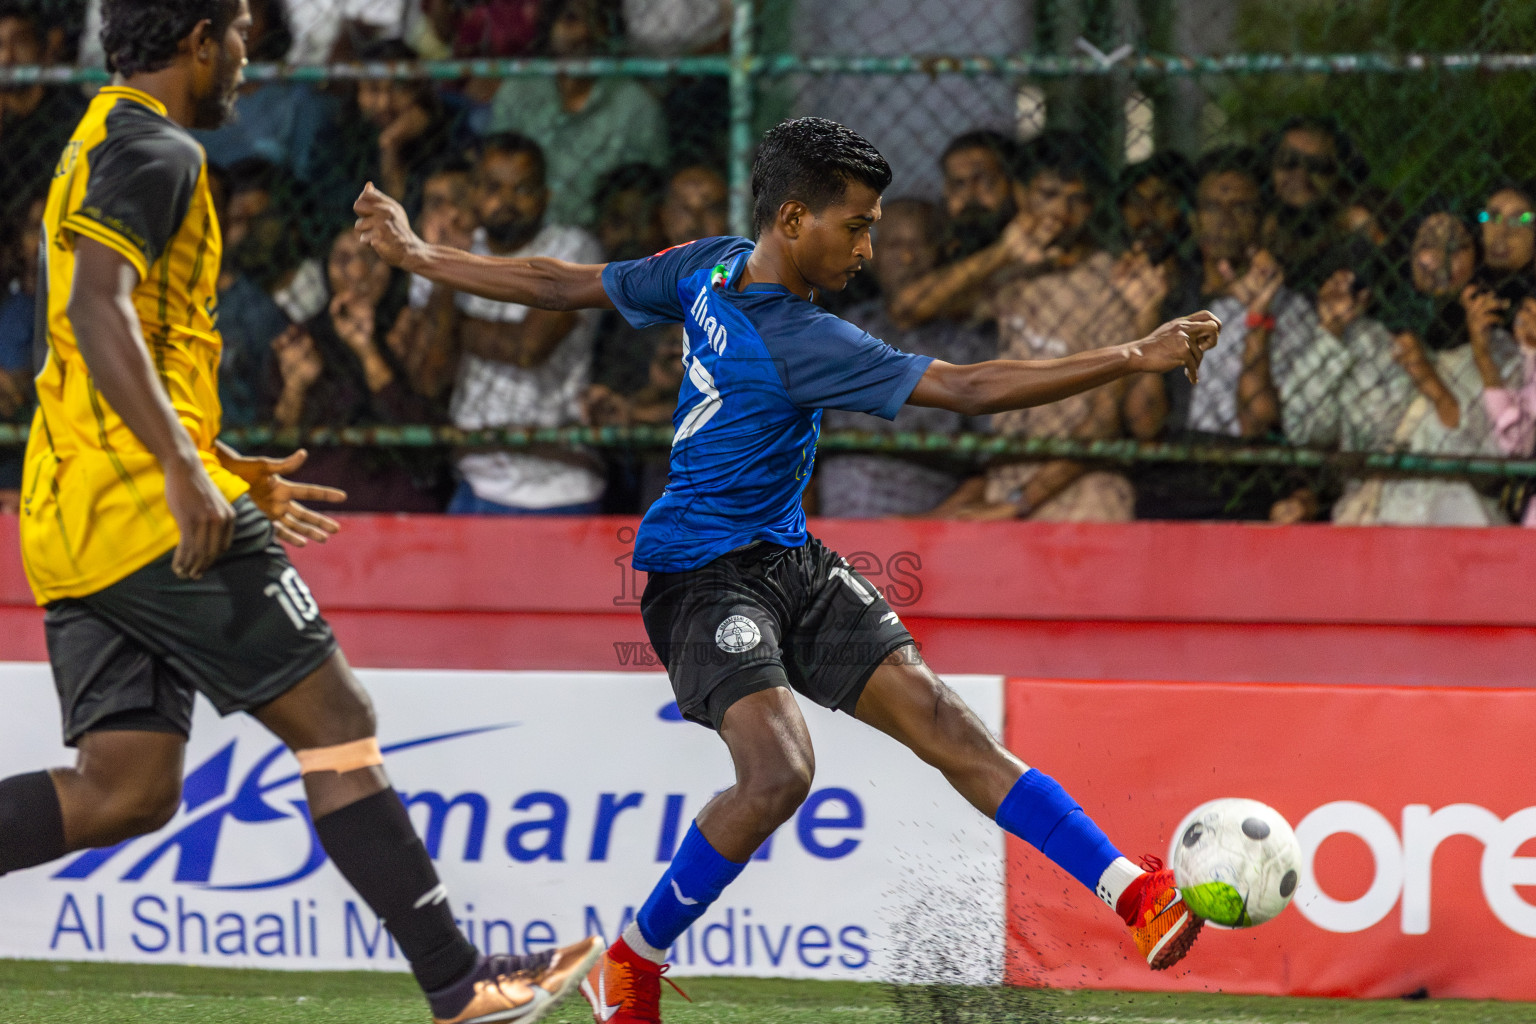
[{"x": 1349, "y": 324}]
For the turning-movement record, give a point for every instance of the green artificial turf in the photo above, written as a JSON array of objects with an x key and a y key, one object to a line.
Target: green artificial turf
[{"x": 72, "y": 993}]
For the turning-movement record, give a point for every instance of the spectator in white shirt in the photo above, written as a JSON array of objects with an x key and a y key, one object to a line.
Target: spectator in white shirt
[{"x": 522, "y": 367}]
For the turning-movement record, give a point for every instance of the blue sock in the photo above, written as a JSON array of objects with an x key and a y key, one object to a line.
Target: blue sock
[
  {"x": 695, "y": 879},
  {"x": 1040, "y": 812}
]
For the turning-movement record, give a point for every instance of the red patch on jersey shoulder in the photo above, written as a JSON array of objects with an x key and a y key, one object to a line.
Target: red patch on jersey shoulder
[{"x": 680, "y": 245}]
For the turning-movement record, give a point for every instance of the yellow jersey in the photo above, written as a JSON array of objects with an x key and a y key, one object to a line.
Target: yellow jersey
[{"x": 93, "y": 498}]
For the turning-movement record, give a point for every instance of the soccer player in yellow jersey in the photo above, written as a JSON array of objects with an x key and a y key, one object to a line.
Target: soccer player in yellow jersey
[{"x": 154, "y": 547}]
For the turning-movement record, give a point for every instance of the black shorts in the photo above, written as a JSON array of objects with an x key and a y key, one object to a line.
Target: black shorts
[
  {"x": 131, "y": 655},
  {"x": 766, "y": 616}
]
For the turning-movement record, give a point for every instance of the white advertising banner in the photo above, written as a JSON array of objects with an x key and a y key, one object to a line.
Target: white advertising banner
[{"x": 550, "y": 802}]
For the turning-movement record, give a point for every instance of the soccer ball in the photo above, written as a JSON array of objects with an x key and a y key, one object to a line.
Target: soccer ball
[{"x": 1235, "y": 861}]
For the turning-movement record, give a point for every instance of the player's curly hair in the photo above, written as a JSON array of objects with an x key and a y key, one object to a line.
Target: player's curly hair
[
  {"x": 142, "y": 35},
  {"x": 813, "y": 160}
]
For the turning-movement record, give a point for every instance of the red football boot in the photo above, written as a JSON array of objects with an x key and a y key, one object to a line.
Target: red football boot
[
  {"x": 625, "y": 988},
  {"x": 1160, "y": 920}
]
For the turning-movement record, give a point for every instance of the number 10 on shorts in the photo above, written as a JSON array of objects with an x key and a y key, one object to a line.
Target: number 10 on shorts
[{"x": 293, "y": 594}]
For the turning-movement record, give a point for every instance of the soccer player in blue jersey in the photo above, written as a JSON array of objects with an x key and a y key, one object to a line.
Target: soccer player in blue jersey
[{"x": 744, "y": 606}]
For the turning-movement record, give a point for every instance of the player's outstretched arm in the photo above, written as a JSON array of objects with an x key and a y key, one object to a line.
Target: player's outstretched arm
[
  {"x": 538, "y": 282},
  {"x": 112, "y": 345},
  {"x": 1002, "y": 384}
]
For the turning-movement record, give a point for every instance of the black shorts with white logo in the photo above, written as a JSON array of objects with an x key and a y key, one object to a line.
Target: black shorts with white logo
[
  {"x": 131, "y": 655},
  {"x": 765, "y": 616}
]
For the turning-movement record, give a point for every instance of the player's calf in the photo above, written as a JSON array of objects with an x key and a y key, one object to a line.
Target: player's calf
[
  {"x": 123, "y": 813},
  {"x": 125, "y": 783},
  {"x": 775, "y": 766},
  {"x": 105, "y": 799},
  {"x": 905, "y": 700},
  {"x": 759, "y": 803}
]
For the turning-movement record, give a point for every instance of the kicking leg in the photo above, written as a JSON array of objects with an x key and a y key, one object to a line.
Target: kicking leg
[
  {"x": 771, "y": 749},
  {"x": 328, "y": 721},
  {"x": 907, "y": 701},
  {"x": 124, "y": 784}
]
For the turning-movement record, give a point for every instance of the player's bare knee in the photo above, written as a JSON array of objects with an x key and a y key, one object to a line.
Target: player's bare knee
[
  {"x": 775, "y": 794},
  {"x": 156, "y": 810},
  {"x": 137, "y": 809},
  {"x": 327, "y": 709},
  {"x": 348, "y": 710},
  {"x": 960, "y": 734},
  {"x": 363, "y": 720},
  {"x": 775, "y": 805}
]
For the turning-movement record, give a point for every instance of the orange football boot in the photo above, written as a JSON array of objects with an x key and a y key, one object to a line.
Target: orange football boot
[
  {"x": 1161, "y": 922},
  {"x": 625, "y": 988}
]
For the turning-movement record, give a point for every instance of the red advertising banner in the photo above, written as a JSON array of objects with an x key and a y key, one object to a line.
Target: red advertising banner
[
  {"x": 1212, "y": 602},
  {"x": 1415, "y": 809}
]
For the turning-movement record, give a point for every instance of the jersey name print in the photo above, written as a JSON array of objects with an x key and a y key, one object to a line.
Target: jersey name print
[
  {"x": 714, "y": 331},
  {"x": 761, "y": 364},
  {"x": 93, "y": 497}
]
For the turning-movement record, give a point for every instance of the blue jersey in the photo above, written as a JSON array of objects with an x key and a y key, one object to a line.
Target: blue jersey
[{"x": 762, "y": 363}]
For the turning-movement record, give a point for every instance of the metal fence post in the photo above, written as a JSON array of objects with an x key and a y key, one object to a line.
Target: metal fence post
[{"x": 741, "y": 85}]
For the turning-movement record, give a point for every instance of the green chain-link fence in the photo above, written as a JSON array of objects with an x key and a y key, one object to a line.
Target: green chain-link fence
[{"x": 1345, "y": 183}]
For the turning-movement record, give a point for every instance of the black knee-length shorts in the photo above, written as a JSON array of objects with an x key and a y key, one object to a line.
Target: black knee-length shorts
[
  {"x": 764, "y": 616},
  {"x": 133, "y": 654}
]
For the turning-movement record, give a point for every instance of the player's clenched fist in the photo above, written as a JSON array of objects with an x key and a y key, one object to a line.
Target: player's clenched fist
[
  {"x": 1182, "y": 342},
  {"x": 382, "y": 223}
]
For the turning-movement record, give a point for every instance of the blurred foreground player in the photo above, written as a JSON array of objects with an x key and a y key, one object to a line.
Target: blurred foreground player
[
  {"x": 155, "y": 548},
  {"x": 742, "y": 605}
]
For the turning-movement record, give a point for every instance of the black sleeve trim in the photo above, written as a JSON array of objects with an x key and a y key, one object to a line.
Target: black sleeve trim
[{"x": 143, "y": 176}]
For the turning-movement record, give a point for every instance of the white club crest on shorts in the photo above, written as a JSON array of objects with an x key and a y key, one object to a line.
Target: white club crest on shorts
[{"x": 737, "y": 635}]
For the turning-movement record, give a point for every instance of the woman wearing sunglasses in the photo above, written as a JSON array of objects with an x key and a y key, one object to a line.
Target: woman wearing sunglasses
[
  {"x": 1508, "y": 226},
  {"x": 1507, "y": 230}
]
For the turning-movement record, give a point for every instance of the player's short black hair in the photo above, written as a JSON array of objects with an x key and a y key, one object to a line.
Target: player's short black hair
[
  {"x": 811, "y": 159},
  {"x": 142, "y": 35},
  {"x": 1243, "y": 160},
  {"x": 1065, "y": 154},
  {"x": 999, "y": 145},
  {"x": 513, "y": 143}
]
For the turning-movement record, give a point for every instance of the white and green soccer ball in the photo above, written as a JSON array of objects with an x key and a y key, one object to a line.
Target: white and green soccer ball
[{"x": 1235, "y": 861}]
